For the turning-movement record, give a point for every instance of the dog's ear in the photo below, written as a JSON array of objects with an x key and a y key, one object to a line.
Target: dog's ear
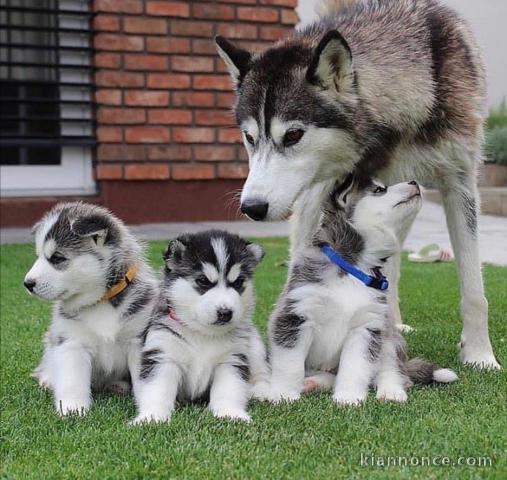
[
  {"x": 174, "y": 251},
  {"x": 331, "y": 66},
  {"x": 255, "y": 251},
  {"x": 36, "y": 227},
  {"x": 340, "y": 194},
  {"x": 93, "y": 226},
  {"x": 236, "y": 59}
]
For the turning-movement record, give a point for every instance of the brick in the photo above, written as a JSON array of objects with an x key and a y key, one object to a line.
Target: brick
[
  {"x": 192, "y": 64},
  {"x": 109, "y": 134},
  {"x": 146, "y": 62},
  {"x": 169, "y": 9},
  {"x": 274, "y": 33},
  {"x": 109, "y": 172},
  {"x": 145, "y": 25},
  {"x": 220, "y": 66},
  {"x": 119, "y": 79},
  {"x": 212, "y": 82},
  {"x": 204, "y": 46},
  {"x": 168, "y": 80},
  {"x": 225, "y": 100},
  {"x": 193, "y": 172},
  {"x": 108, "y": 97},
  {"x": 124, "y": 43},
  {"x": 120, "y": 152},
  {"x": 215, "y": 153},
  {"x": 170, "y": 117},
  {"x": 289, "y": 17},
  {"x": 231, "y": 30},
  {"x": 244, "y": 2},
  {"x": 109, "y": 23},
  {"x": 170, "y": 153},
  {"x": 212, "y": 11},
  {"x": 147, "y": 171},
  {"x": 192, "y": 28},
  {"x": 243, "y": 155},
  {"x": 280, "y": 3},
  {"x": 146, "y": 98},
  {"x": 147, "y": 135},
  {"x": 107, "y": 60},
  {"x": 167, "y": 45},
  {"x": 193, "y": 99},
  {"x": 121, "y": 116},
  {"x": 258, "y": 14},
  {"x": 230, "y": 135},
  {"x": 233, "y": 171},
  {"x": 214, "y": 117},
  {"x": 123, "y": 6},
  {"x": 193, "y": 135}
]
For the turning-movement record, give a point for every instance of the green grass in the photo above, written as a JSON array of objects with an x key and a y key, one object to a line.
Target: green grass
[{"x": 309, "y": 439}]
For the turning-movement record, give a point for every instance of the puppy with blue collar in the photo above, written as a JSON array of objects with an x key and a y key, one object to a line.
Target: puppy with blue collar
[{"x": 330, "y": 324}]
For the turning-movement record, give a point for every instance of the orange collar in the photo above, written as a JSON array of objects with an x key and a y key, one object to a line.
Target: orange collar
[{"x": 121, "y": 285}]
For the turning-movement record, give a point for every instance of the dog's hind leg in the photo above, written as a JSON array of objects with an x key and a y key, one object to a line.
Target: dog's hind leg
[{"x": 461, "y": 203}]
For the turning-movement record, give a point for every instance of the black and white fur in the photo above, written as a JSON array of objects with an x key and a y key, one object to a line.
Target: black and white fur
[
  {"x": 82, "y": 251},
  {"x": 331, "y": 326},
  {"x": 201, "y": 342}
]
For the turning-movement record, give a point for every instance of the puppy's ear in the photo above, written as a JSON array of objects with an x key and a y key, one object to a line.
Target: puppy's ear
[
  {"x": 174, "y": 251},
  {"x": 36, "y": 227},
  {"x": 93, "y": 226},
  {"x": 236, "y": 59},
  {"x": 340, "y": 195},
  {"x": 255, "y": 251},
  {"x": 331, "y": 66}
]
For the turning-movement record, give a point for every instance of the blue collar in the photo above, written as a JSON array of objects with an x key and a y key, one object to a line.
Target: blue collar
[{"x": 378, "y": 282}]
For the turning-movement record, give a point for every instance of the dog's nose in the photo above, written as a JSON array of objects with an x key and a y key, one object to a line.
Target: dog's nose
[
  {"x": 256, "y": 210},
  {"x": 224, "y": 316},
  {"x": 29, "y": 284},
  {"x": 413, "y": 182}
]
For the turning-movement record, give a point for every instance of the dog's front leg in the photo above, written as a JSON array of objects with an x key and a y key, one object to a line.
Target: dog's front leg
[
  {"x": 391, "y": 382},
  {"x": 156, "y": 390},
  {"x": 357, "y": 365},
  {"x": 72, "y": 373},
  {"x": 229, "y": 393}
]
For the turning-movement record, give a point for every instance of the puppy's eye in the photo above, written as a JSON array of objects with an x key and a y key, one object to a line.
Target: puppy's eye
[
  {"x": 202, "y": 281},
  {"x": 57, "y": 258},
  {"x": 292, "y": 137},
  {"x": 380, "y": 189},
  {"x": 249, "y": 138},
  {"x": 238, "y": 283}
]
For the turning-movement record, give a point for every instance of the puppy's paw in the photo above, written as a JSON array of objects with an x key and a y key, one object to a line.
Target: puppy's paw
[
  {"x": 319, "y": 381},
  {"x": 145, "y": 419},
  {"x": 119, "y": 387},
  {"x": 392, "y": 394},
  {"x": 72, "y": 406},
  {"x": 349, "y": 397},
  {"x": 403, "y": 328},
  {"x": 42, "y": 378},
  {"x": 231, "y": 414},
  {"x": 261, "y": 391},
  {"x": 277, "y": 396}
]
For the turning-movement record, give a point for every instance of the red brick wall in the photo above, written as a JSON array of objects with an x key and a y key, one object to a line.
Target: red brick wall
[{"x": 163, "y": 94}]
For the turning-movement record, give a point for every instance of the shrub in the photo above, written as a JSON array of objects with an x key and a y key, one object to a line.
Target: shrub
[
  {"x": 496, "y": 145},
  {"x": 498, "y": 116}
]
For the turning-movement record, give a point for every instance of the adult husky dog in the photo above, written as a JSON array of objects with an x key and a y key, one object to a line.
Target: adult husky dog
[
  {"x": 392, "y": 88},
  {"x": 94, "y": 271}
]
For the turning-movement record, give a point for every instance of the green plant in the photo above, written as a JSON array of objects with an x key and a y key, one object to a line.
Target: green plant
[
  {"x": 496, "y": 145},
  {"x": 498, "y": 116}
]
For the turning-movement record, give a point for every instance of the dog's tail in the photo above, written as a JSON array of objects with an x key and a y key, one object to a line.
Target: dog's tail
[
  {"x": 423, "y": 372},
  {"x": 332, "y": 7}
]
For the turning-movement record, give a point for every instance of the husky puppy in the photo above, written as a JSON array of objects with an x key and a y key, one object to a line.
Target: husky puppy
[
  {"x": 394, "y": 88},
  {"x": 332, "y": 315},
  {"x": 93, "y": 270},
  {"x": 200, "y": 342}
]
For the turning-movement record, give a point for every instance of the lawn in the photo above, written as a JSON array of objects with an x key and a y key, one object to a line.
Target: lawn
[{"x": 310, "y": 439}]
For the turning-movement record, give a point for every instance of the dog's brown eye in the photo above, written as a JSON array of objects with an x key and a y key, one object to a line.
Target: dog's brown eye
[
  {"x": 292, "y": 137},
  {"x": 249, "y": 138},
  {"x": 238, "y": 283},
  {"x": 57, "y": 258},
  {"x": 380, "y": 190},
  {"x": 203, "y": 281}
]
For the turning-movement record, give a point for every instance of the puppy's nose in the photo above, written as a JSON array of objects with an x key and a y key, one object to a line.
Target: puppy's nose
[
  {"x": 255, "y": 209},
  {"x": 413, "y": 182},
  {"x": 224, "y": 316},
  {"x": 29, "y": 284}
]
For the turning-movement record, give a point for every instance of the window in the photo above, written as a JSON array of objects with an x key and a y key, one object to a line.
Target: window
[{"x": 46, "y": 127}]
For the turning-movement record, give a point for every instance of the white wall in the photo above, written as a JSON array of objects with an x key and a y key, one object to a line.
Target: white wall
[{"x": 489, "y": 22}]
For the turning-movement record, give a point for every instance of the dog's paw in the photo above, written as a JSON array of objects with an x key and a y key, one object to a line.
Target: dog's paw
[
  {"x": 72, "y": 406},
  {"x": 392, "y": 394},
  {"x": 119, "y": 387},
  {"x": 319, "y": 381},
  {"x": 42, "y": 378},
  {"x": 277, "y": 396},
  {"x": 482, "y": 358},
  {"x": 349, "y": 397},
  {"x": 145, "y": 419},
  {"x": 261, "y": 391},
  {"x": 403, "y": 328},
  {"x": 232, "y": 414}
]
